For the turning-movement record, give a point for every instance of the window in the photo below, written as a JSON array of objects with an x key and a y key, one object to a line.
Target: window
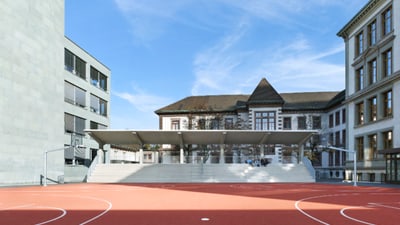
[
  {"x": 74, "y": 124},
  {"x": 175, "y": 124},
  {"x": 74, "y": 95},
  {"x": 330, "y": 141},
  {"x": 360, "y": 113},
  {"x": 330, "y": 120},
  {"x": 69, "y": 60},
  {"x": 94, "y": 125},
  {"x": 372, "y": 109},
  {"x": 372, "y": 71},
  {"x": 265, "y": 120},
  {"x": 74, "y": 64},
  {"x": 228, "y": 123},
  {"x": 387, "y": 105},
  {"x": 337, "y": 118},
  {"x": 316, "y": 122},
  {"x": 98, "y": 79},
  {"x": 214, "y": 124},
  {"x": 387, "y": 63},
  {"x": 287, "y": 123},
  {"x": 98, "y": 105},
  {"x": 372, "y": 154},
  {"x": 202, "y": 124},
  {"x": 360, "y": 148},
  {"x": 343, "y": 137},
  {"x": 301, "y": 123},
  {"x": 360, "y": 79},
  {"x": 337, "y": 138},
  {"x": 344, "y": 116},
  {"x": 372, "y": 33},
  {"x": 387, "y": 140},
  {"x": 387, "y": 21},
  {"x": 359, "y": 44}
]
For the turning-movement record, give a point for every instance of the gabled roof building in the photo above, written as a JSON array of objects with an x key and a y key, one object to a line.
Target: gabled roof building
[{"x": 263, "y": 109}]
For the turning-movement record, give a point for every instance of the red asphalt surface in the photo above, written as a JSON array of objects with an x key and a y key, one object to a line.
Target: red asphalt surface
[{"x": 200, "y": 204}]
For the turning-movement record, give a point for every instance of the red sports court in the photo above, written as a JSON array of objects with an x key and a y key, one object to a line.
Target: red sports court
[{"x": 200, "y": 203}]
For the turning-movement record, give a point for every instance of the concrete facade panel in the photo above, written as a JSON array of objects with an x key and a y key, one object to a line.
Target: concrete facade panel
[{"x": 31, "y": 119}]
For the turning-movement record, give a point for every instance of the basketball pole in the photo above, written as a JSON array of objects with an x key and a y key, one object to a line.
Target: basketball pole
[
  {"x": 355, "y": 162},
  {"x": 45, "y": 163}
]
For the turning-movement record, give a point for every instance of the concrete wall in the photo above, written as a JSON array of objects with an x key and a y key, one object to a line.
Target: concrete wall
[{"x": 31, "y": 89}]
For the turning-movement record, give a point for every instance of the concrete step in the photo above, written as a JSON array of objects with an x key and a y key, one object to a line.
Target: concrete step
[{"x": 130, "y": 173}]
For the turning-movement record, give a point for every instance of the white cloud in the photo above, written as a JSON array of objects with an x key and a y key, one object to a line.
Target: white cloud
[
  {"x": 143, "y": 101},
  {"x": 295, "y": 67},
  {"x": 149, "y": 18},
  {"x": 214, "y": 67}
]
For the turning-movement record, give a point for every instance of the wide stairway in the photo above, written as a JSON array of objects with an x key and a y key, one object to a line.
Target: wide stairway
[{"x": 198, "y": 173}]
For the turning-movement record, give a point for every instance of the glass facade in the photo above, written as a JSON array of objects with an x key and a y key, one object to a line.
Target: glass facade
[{"x": 393, "y": 167}]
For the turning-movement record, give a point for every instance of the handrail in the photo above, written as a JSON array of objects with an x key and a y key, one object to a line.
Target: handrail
[
  {"x": 310, "y": 168},
  {"x": 92, "y": 166}
]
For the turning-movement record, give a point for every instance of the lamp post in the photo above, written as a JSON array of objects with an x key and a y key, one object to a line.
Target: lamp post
[{"x": 355, "y": 162}]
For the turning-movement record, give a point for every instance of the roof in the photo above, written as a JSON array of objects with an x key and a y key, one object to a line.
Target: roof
[
  {"x": 359, "y": 16},
  {"x": 208, "y": 103},
  {"x": 308, "y": 100},
  {"x": 129, "y": 137},
  {"x": 338, "y": 99},
  {"x": 265, "y": 94}
]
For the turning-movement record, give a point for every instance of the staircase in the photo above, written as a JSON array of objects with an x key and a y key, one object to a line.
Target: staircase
[{"x": 198, "y": 173}]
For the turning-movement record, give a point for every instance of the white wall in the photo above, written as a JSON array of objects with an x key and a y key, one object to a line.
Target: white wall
[{"x": 31, "y": 89}]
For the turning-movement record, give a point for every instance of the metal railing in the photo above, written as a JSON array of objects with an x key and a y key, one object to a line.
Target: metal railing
[
  {"x": 92, "y": 166},
  {"x": 307, "y": 163}
]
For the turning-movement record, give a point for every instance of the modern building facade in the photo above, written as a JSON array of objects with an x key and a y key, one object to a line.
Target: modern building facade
[
  {"x": 373, "y": 88},
  {"x": 86, "y": 106},
  {"x": 264, "y": 109},
  {"x": 49, "y": 87}
]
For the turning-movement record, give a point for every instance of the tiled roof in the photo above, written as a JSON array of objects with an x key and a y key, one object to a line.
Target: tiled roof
[
  {"x": 307, "y": 100},
  {"x": 208, "y": 103},
  {"x": 264, "y": 94}
]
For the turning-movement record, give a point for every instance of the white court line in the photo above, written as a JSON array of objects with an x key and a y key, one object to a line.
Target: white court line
[
  {"x": 91, "y": 198},
  {"x": 17, "y": 207},
  {"x": 101, "y": 214},
  {"x": 307, "y": 214},
  {"x": 385, "y": 206},
  {"x": 352, "y": 218},
  {"x": 64, "y": 212},
  {"x": 315, "y": 197}
]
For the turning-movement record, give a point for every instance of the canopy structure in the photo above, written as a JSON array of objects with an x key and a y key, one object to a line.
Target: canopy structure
[{"x": 182, "y": 137}]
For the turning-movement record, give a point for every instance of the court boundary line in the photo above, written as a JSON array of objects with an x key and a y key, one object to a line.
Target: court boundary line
[
  {"x": 352, "y": 218},
  {"x": 54, "y": 219}
]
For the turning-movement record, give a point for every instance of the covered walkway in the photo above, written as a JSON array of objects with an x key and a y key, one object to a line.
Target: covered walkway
[{"x": 186, "y": 137}]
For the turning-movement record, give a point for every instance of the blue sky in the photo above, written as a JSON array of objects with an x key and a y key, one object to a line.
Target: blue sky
[{"x": 160, "y": 51}]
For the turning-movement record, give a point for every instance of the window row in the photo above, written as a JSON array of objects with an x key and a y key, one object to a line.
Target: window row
[
  {"x": 373, "y": 32},
  {"x": 77, "y": 66},
  {"x": 77, "y": 96},
  {"x": 314, "y": 123},
  {"x": 375, "y": 70},
  {"x": 337, "y": 118},
  {"x": 337, "y": 139},
  {"x": 367, "y": 146},
  {"x": 206, "y": 124},
  {"x": 374, "y": 108},
  {"x": 76, "y": 125}
]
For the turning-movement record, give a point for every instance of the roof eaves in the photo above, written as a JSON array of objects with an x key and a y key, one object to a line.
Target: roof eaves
[{"x": 363, "y": 11}]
